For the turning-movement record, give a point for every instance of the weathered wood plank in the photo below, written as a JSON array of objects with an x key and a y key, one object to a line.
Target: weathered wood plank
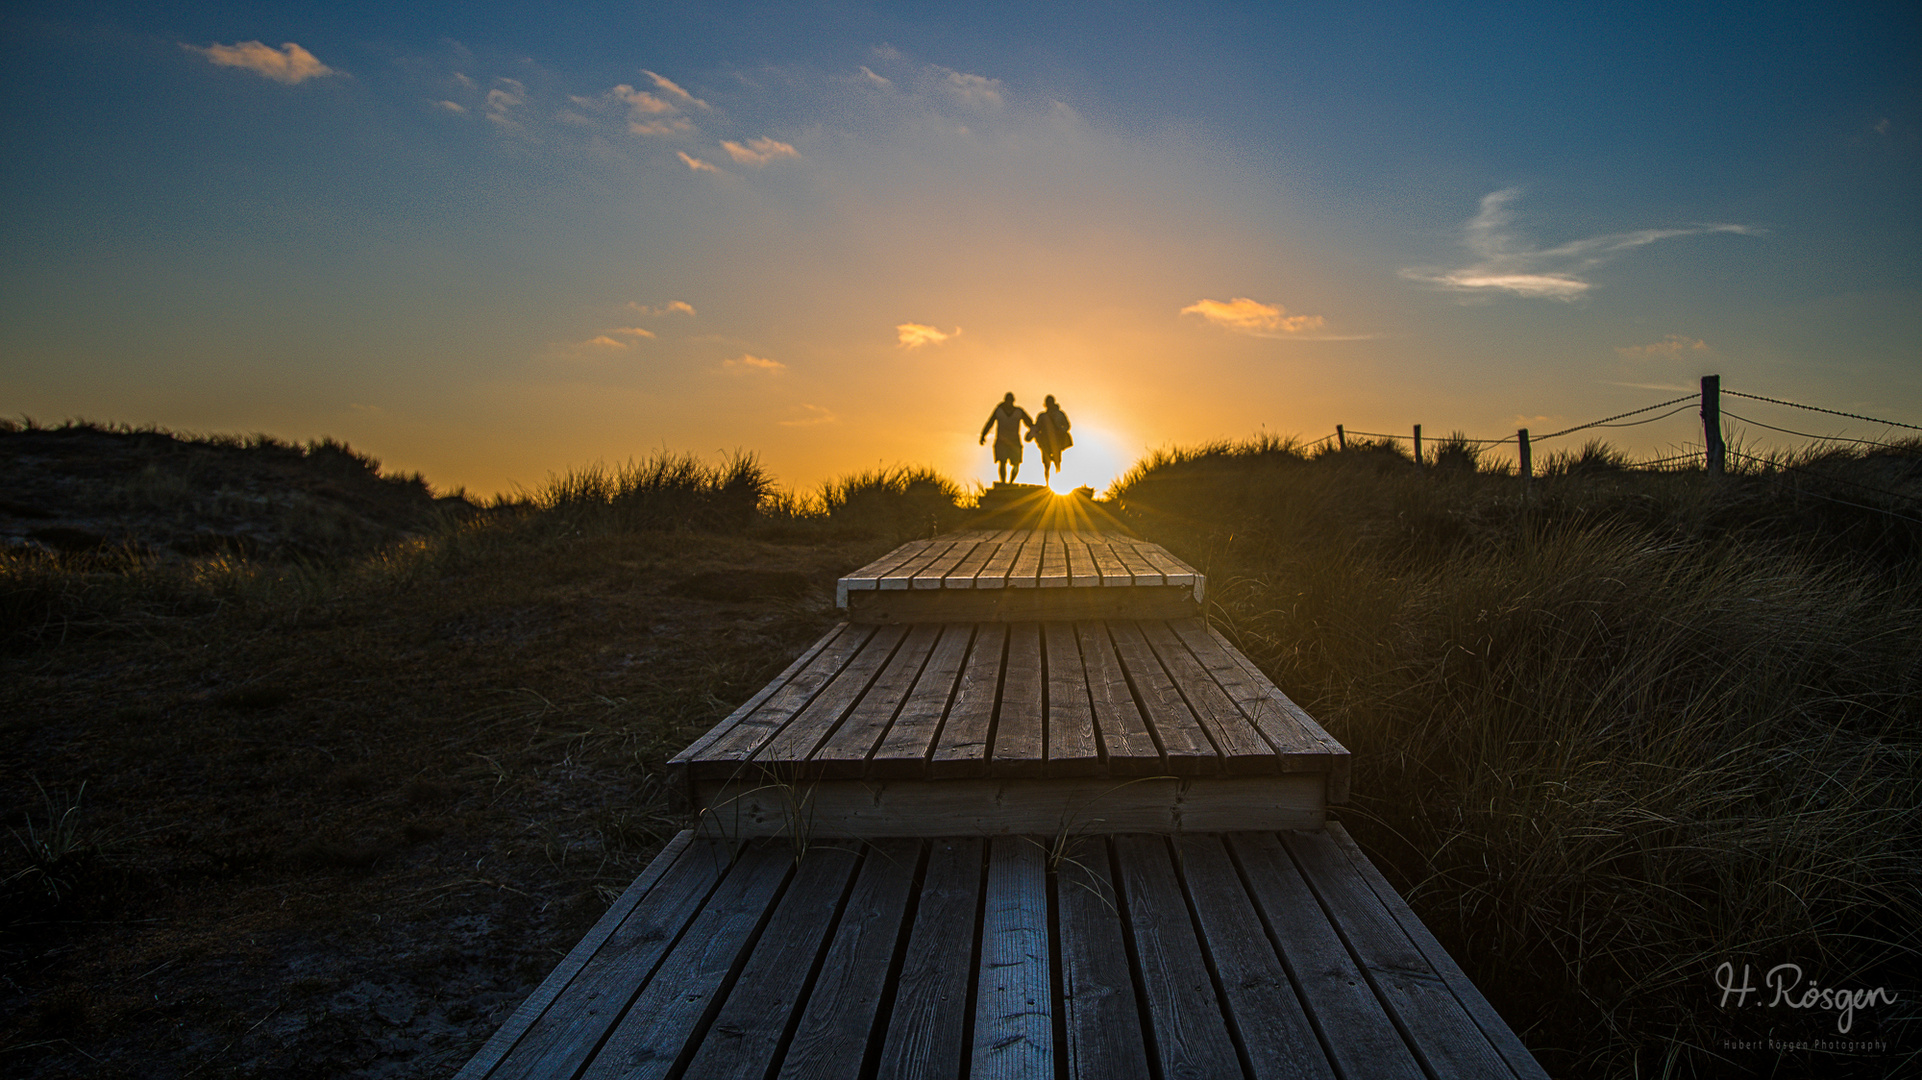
[
  {"x": 1186, "y": 750},
  {"x": 746, "y": 1034},
  {"x": 869, "y": 577},
  {"x": 903, "y": 576},
  {"x": 1254, "y": 695},
  {"x": 551, "y": 988},
  {"x": 1188, "y": 1033},
  {"x": 845, "y": 753},
  {"x": 1026, "y": 571},
  {"x": 751, "y": 731},
  {"x": 930, "y": 576},
  {"x": 567, "y": 1034},
  {"x": 994, "y": 574},
  {"x": 1341, "y": 764},
  {"x": 1444, "y": 1035},
  {"x": 837, "y": 1022},
  {"x": 658, "y": 1029},
  {"x": 1171, "y": 569},
  {"x": 965, "y": 571},
  {"x": 1128, "y": 747},
  {"x": 714, "y": 734},
  {"x": 1020, "y": 743},
  {"x": 909, "y": 743},
  {"x": 812, "y": 725},
  {"x": 1242, "y": 748},
  {"x": 1054, "y": 561},
  {"x": 1139, "y": 568},
  {"x": 1013, "y": 1003},
  {"x": 1101, "y": 1019},
  {"x": 1262, "y": 1005},
  {"x": 1072, "y": 747},
  {"x": 1113, "y": 572},
  {"x": 1019, "y": 605},
  {"x": 931, "y": 996},
  {"x": 961, "y": 749},
  {"x": 1356, "y": 1030}
]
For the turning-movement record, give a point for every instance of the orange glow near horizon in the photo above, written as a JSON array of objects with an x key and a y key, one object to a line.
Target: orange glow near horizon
[{"x": 1097, "y": 458}]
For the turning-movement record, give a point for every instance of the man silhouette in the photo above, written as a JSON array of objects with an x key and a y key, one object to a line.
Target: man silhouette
[
  {"x": 1006, "y": 420},
  {"x": 1049, "y": 434}
]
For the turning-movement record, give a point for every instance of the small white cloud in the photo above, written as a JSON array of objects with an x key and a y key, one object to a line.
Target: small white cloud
[
  {"x": 465, "y": 81},
  {"x": 672, "y": 307},
  {"x": 289, "y": 64},
  {"x": 758, "y": 152},
  {"x": 503, "y": 99},
  {"x": 603, "y": 342},
  {"x": 748, "y": 363},
  {"x": 1247, "y": 316},
  {"x": 696, "y": 164},
  {"x": 673, "y": 90},
  {"x": 914, "y": 335},
  {"x": 1505, "y": 262},
  {"x": 633, "y": 331},
  {"x": 868, "y": 73},
  {"x": 811, "y": 415},
  {"x": 452, "y": 106},
  {"x": 1671, "y": 346},
  {"x": 640, "y": 101},
  {"x": 976, "y": 90},
  {"x": 667, "y": 125}
]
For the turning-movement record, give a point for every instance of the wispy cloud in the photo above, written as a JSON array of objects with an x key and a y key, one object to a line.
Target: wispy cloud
[
  {"x": 976, "y": 90},
  {"x": 748, "y": 363},
  {"x": 1505, "y": 262},
  {"x": 452, "y": 106},
  {"x": 697, "y": 164},
  {"x": 1247, "y": 316},
  {"x": 758, "y": 152},
  {"x": 1671, "y": 346},
  {"x": 603, "y": 342},
  {"x": 289, "y": 64},
  {"x": 633, "y": 331},
  {"x": 503, "y": 99},
  {"x": 811, "y": 415},
  {"x": 673, "y": 90},
  {"x": 914, "y": 335},
  {"x": 883, "y": 83},
  {"x": 672, "y": 307}
]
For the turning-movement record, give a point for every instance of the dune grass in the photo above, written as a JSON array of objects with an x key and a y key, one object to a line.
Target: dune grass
[{"x": 1607, "y": 735}]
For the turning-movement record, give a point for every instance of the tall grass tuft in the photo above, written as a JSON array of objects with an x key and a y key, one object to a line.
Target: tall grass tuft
[
  {"x": 900, "y": 503},
  {"x": 1608, "y": 736},
  {"x": 666, "y": 491}
]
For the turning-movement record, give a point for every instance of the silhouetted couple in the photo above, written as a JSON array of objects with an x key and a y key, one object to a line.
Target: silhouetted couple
[{"x": 1048, "y": 432}]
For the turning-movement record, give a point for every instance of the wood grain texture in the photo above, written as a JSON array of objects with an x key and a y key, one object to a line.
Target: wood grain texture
[
  {"x": 799, "y": 737},
  {"x": 845, "y": 752},
  {"x": 1072, "y": 747},
  {"x": 1355, "y": 1028},
  {"x": 932, "y": 575},
  {"x": 1026, "y": 571},
  {"x": 1016, "y": 605},
  {"x": 962, "y": 746},
  {"x": 837, "y": 1023},
  {"x": 1242, "y": 748},
  {"x": 662, "y": 1024},
  {"x": 1013, "y": 1002},
  {"x": 747, "y": 735},
  {"x": 1340, "y": 764},
  {"x": 552, "y": 987},
  {"x": 1054, "y": 562},
  {"x": 971, "y": 565},
  {"x": 925, "y": 1027},
  {"x": 1189, "y": 1035},
  {"x": 1101, "y": 1018},
  {"x": 1127, "y": 746},
  {"x": 1185, "y": 747},
  {"x": 742, "y": 1041},
  {"x": 909, "y": 744},
  {"x": 714, "y": 734},
  {"x": 1020, "y": 743},
  {"x": 1262, "y": 1005}
]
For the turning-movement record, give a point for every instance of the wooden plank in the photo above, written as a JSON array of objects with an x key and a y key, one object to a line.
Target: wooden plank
[
  {"x": 1341, "y": 764},
  {"x": 1101, "y": 1020},
  {"x": 1054, "y": 561},
  {"x": 659, "y": 1027},
  {"x": 1072, "y": 747},
  {"x": 565, "y": 1036},
  {"x": 1014, "y": 996},
  {"x": 837, "y": 1022},
  {"x": 845, "y": 753},
  {"x": 930, "y": 576},
  {"x": 1127, "y": 747},
  {"x": 746, "y": 735},
  {"x": 1444, "y": 1036},
  {"x": 1262, "y": 1005},
  {"x": 1497, "y": 1031},
  {"x": 1017, "y": 605},
  {"x": 1355, "y": 1029},
  {"x": 1020, "y": 743},
  {"x": 985, "y": 806},
  {"x": 869, "y": 577},
  {"x": 909, "y": 743},
  {"x": 1256, "y": 697},
  {"x": 1243, "y": 750},
  {"x": 1172, "y": 570},
  {"x": 931, "y": 997},
  {"x": 517, "y": 1025},
  {"x": 903, "y": 576},
  {"x": 971, "y": 565},
  {"x": 1185, "y": 749},
  {"x": 1187, "y": 1031},
  {"x": 1113, "y": 572},
  {"x": 699, "y": 746},
  {"x": 994, "y": 575},
  {"x": 812, "y": 725},
  {"x": 1143, "y": 571},
  {"x": 746, "y": 1034},
  {"x": 1026, "y": 571},
  {"x": 961, "y": 749}
]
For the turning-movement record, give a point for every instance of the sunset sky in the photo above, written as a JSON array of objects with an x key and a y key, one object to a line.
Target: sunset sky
[{"x": 489, "y": 242}]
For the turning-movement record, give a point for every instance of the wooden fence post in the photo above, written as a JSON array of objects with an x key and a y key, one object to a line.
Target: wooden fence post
[
  {"x": 1418, "y": 444},
  {"x": 1341, "y": 437},
  {"x": 1713, "y": 449},
  {"x": 1528, "y": 466}
]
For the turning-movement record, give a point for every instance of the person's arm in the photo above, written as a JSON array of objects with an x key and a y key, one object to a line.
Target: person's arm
[{"x": 985, "y": 428}]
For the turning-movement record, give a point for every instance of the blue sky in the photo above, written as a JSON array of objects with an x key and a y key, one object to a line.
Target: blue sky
[{"x": 489, "y": 243}]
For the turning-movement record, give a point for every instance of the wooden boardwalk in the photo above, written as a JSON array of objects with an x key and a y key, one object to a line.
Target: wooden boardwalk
[{"x": 1080, "y": 838}]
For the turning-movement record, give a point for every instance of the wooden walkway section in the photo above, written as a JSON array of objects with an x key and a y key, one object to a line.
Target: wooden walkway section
[
  {"x": 1247, "y": 954},
  {"x": 968, "y": 834}
]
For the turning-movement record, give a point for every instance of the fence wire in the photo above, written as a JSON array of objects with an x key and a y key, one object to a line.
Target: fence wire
[{"x": 1817, "y": 408}]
